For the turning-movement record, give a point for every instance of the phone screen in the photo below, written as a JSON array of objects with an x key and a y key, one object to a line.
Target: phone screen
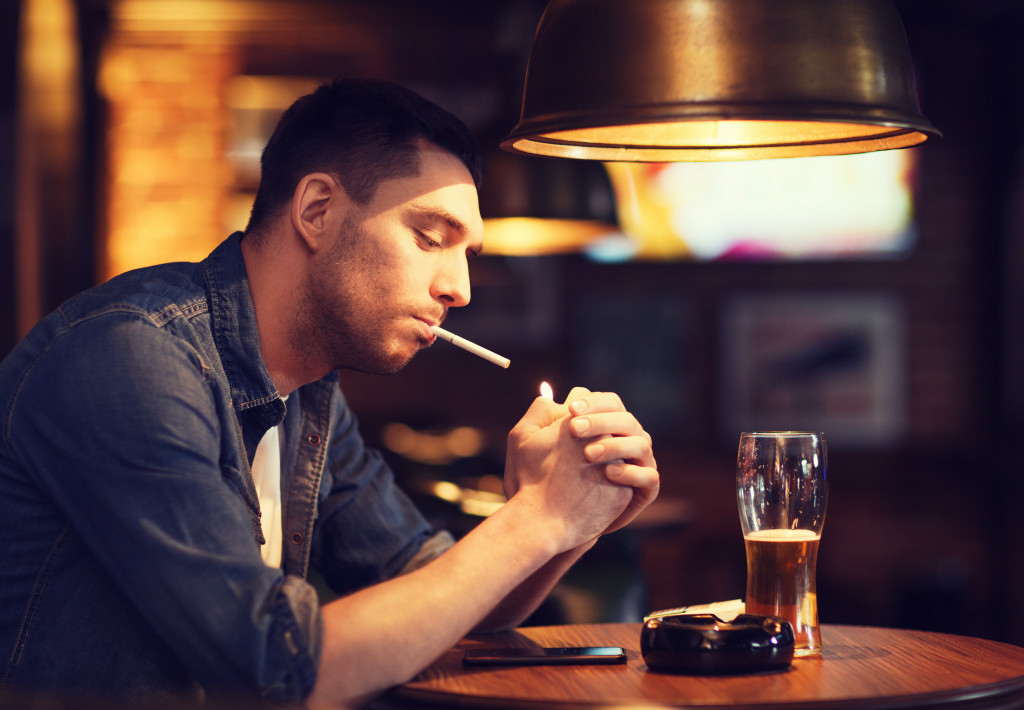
[{"x": 539, "y": 655}]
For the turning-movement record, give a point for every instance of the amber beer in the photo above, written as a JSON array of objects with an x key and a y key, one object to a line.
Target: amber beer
[{"x": 781, "y": 581}]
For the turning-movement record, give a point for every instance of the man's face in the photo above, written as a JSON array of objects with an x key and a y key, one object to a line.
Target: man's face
[{"x": 395, "y": 267}]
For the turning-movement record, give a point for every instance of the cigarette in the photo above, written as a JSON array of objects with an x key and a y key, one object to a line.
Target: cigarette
[{"x": 471, "y": 347}]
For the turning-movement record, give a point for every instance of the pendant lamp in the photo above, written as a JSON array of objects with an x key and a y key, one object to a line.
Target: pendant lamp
[{"x": 705, "y": 80}]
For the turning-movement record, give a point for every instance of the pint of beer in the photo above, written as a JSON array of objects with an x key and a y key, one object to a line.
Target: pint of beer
[{"x": 781, "y": 488}]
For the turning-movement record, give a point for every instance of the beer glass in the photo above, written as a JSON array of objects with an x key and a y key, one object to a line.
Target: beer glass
[{"x": 782, "y": 489}]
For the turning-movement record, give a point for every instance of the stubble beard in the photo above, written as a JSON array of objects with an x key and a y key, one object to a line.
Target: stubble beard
[{"x": 330, "y": 327}]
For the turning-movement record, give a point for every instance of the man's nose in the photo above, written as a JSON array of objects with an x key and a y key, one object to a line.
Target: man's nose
[{"x": 452, "y": 283}]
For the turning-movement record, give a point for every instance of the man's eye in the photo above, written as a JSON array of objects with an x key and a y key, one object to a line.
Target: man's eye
[{"x": 429, "y": 241}]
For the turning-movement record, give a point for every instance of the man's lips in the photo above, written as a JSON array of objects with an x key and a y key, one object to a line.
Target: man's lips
[{"x": 425, "y": 326}]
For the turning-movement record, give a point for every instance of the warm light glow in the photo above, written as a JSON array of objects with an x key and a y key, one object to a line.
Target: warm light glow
[
  {"x": 433, "y": 447},
  {"x": 717, "y": 140},
  {"x": 471, "y": 501},
  {"x": 446, "y": 490},
  {"x": 481, "y": 504},
  {"x": 524, "y": 236},
  {"x": 546, "y": 391},
  {"x": 168, "y": 173},
  {"x": 717, "y": 133},
  {"x": 48, "y": 114},
  {"x": 185, "y": 130}
]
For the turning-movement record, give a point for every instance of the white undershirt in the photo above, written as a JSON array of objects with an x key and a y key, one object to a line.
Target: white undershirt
[{"x": 266, "y": 474}]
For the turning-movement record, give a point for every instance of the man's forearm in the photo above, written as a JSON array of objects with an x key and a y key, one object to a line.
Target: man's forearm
[
  {"x": 383, "y": 635},
  {"x": 524, "y": 599}
]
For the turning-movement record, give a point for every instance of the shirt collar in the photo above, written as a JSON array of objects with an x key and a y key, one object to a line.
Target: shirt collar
[{"x": 233, "y": 321}]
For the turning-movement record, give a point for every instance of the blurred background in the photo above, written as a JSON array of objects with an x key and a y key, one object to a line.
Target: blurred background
[{"x": 877, "y": 298}]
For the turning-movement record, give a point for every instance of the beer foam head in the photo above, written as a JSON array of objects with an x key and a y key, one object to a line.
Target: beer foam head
[{"x": 782, "y": 535}]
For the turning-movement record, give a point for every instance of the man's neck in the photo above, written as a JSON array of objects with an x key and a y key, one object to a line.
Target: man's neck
[{"x": 274, "y": 278}]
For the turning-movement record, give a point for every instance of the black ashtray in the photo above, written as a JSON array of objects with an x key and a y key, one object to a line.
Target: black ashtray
[{"x": 703, "y": 644}]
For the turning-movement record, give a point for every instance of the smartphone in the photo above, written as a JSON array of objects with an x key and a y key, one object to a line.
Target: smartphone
[{"x": 543, "y": 656}]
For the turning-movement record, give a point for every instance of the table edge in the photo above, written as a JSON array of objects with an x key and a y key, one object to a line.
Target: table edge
[{"x": 1011, "y": 689}]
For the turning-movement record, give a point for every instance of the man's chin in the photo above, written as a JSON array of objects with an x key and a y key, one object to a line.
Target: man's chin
[{"x": 391, "y": 364}]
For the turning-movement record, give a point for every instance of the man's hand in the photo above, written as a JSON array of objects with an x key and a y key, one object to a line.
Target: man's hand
[
  {"x": 588, "y": 459},
  {"x": 617, "y": 440}
]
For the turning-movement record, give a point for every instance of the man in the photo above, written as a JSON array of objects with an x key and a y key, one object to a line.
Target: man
[{"x": 135, "y": 561}]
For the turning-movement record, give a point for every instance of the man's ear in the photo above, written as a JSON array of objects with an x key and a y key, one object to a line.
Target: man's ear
[{"x": 317, "y": 202}]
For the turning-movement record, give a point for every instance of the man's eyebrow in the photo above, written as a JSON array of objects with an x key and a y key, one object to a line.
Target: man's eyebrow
[{"x": 439, "y": 214}]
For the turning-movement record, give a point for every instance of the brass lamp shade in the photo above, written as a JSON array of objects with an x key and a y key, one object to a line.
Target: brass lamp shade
[{"x": 703, "y": 80}]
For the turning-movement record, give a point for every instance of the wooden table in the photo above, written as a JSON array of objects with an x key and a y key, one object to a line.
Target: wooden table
[{"x": 861, "y": 667}]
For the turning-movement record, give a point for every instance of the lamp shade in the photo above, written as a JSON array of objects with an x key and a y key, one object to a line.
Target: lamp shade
[
  {"x": 536, "y": 206},
  {"x": 701, "y": 80}
]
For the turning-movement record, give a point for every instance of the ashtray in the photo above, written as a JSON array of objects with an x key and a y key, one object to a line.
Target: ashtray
[{"x": 703, "y": 644}]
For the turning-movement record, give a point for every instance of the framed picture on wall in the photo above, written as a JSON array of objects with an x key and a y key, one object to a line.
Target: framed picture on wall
[{"x": 812, "y": 361}]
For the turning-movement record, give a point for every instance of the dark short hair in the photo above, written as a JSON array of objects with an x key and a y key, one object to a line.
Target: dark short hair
[{"x": 360, "y": 131}]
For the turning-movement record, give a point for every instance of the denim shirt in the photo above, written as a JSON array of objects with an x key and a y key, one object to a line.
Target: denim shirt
[{"x": 129, "y": 525}]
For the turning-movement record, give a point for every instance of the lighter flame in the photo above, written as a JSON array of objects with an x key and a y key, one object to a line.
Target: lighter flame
[{"x": 546, "y": 391}]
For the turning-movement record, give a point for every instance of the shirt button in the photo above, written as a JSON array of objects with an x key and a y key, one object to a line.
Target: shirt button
[
  {"x": 313, "y": 439},
  {"x": 296, "y": 537}
]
